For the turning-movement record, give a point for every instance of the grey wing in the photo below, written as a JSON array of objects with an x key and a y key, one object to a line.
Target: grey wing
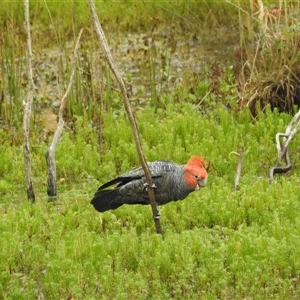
[
  {"x": 135, "y": 192},
  {"x": 157, "y": 168}
]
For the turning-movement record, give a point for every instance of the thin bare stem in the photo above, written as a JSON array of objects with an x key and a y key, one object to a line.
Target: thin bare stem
[
  {"x": 50, "y": 153},
  {"x": 131, "y": 117},
  {"x": 282, "y": 148},
  {"x": 239, "y": 168},
  {"x": 27, "y": 109}
]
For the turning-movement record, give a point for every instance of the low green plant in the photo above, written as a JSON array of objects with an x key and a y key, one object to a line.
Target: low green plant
[{"x": 218, "y": 243}]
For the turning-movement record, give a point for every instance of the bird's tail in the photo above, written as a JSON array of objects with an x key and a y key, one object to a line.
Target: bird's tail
[{"x": 104, "y": 200}]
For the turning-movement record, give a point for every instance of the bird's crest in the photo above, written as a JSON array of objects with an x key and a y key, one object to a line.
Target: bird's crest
[{"x": 198, "y": 161}]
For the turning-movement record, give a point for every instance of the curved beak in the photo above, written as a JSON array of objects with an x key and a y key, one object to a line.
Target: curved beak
[{"x": 201, "y": 183}]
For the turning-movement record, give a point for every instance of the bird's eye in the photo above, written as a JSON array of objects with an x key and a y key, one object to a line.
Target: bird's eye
[{"x": 196, "y": 176}]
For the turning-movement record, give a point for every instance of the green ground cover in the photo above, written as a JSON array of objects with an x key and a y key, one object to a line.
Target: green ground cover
[{"x": 218, "y": 243}]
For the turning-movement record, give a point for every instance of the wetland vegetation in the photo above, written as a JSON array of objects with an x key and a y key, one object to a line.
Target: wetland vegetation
[{"x": 194, "y": 68}]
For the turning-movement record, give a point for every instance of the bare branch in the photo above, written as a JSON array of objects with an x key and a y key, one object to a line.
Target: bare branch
[
  {"x": 282, "y": 148},
  {"x": 239, "y": 168},
  {"x": 135, "y": 132},
  {"x": 290, "y": 131},
  {"x": 50, "y": 153},
  {"x": 27, "y": 108}
]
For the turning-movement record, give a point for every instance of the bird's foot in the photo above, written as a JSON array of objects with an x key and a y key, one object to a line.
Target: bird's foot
[
  {"x": 152, "y": 186},
  {"x": 146, "y": 185},
  {"x": 157, "y": 216}
]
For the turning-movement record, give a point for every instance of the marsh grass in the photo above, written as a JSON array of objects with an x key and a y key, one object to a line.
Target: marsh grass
[
  {"x": 92, "y": 86},
  {"x": 269, "y": 53}
]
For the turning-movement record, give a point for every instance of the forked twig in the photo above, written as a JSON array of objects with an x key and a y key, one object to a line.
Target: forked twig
[
  {"x": 282, "y": 148},
  {"x": 50, "y": 153}
]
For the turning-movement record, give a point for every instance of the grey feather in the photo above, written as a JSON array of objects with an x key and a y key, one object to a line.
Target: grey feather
[{"x": 132, "y": 189}]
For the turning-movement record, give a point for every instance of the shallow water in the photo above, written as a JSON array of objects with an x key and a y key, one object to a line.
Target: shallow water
[{"x": 150, "y": 63}]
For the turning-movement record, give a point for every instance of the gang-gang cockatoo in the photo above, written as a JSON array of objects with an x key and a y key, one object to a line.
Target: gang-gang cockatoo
[{"x": 172, "y": 182}]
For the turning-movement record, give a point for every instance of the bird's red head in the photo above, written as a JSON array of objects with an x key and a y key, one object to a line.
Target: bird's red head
[{"x": 195, "y": 172}]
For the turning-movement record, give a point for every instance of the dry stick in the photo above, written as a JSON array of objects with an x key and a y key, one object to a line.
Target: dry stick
[
  {"x": 282, "y": 149},
  {"x": 290, "y": 131},
  {"x": 239, "y": 168},
  {"x": 27, "y": 108},
  {"x": 114, "y": 69},
  {"x": 50, "y": 153}
]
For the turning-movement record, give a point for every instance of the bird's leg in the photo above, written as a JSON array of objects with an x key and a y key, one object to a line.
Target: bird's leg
[
  {"x": 146, "y": 185},
  {"x": 153, "y": 186},
  {"x": 157, "y": 217}
]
